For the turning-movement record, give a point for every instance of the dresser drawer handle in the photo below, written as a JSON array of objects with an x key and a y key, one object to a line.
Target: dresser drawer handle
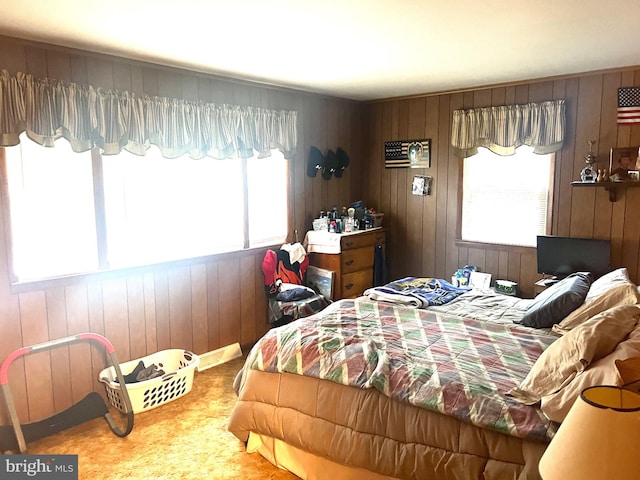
[
  {"x": 349, "y": 262},
  {"x": 348, "y": 244},
  {"x": 349, "y": 286}
]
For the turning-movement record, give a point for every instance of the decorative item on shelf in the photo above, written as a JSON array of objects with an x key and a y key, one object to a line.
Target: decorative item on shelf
[
  {"x": 371, "y": 219},
  {"x": 351, "y": 224},
  {"x": 349, "y": 220},
  {"x": 623, "y": 161},
  {"x": 590, "y": 171},
  {"x": 376, "y": 219},
  {"x": 321, "y": 224}
]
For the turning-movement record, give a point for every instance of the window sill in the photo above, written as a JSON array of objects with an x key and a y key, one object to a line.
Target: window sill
[
  {"x": 494, "y": 246},
  {"x": 79, "y": 278}
]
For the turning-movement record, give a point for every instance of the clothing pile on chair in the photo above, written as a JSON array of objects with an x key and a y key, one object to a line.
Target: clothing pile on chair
[
  {"x": 284, "y": 273},
  {"x": 289, "y": 298}
]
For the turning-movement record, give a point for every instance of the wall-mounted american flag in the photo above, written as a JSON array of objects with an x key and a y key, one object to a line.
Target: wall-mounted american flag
[{"x": 629, "y": 106}]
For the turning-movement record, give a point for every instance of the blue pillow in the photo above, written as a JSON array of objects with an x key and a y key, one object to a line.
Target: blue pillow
[{"x": 558, "y": 301}]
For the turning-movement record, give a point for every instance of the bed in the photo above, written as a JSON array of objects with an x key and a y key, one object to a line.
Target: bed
[{"x": 377, "y": 390}]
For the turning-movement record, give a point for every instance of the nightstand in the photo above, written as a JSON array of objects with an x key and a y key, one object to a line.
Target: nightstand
[{"x": 542, "y": 284}]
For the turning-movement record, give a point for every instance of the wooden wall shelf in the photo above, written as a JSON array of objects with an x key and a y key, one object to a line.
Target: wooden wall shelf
[{"x": 611, "y": 187}]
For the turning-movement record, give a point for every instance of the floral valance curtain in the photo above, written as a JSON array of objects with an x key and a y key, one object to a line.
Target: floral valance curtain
[
  {"x": 503, "y": 129},
  {"x": 48, "y": 109}
]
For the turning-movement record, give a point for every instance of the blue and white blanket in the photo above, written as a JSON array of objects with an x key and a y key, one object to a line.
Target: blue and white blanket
[{"x": 416, "y": 292}]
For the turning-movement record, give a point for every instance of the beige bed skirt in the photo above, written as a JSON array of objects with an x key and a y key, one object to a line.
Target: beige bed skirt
[
  {"x": 312, "y": 427},
  {"x": 304, "y": 464}
]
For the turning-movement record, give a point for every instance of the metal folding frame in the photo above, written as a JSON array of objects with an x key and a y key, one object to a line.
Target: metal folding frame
[{"x": 81, "y": 337}]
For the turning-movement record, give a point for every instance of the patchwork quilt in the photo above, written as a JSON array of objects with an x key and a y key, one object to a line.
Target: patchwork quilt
[{"x": 450, "y": 364}]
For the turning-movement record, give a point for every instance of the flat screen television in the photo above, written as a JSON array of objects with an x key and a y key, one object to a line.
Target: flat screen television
[{"x": 561, "y": 256}]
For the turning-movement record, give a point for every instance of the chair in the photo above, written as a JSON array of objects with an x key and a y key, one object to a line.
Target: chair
[{"x": 288, "y": 297}]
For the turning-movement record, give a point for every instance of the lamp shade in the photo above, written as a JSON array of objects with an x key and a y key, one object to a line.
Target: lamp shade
[{"x": 599, "y": 438}]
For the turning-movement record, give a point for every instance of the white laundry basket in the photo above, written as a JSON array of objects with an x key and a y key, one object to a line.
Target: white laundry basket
[{"x": 179, "y": 366}]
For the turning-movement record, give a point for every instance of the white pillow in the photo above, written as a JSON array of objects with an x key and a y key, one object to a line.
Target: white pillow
[
  {"x": 609, "y": 370},
  {"x": 557, "y": 366},
  {"x": 611, "y": 290}
]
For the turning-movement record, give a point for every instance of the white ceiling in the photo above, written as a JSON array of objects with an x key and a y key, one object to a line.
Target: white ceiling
[{"x": 354, "y": 49}]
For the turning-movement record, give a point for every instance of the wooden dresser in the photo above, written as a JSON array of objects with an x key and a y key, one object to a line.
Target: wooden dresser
[{"x": 353, "y": 266}]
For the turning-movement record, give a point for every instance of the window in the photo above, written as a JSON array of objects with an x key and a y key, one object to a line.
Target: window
[
  {"x": 51, "y": 209},
  {"x": 267, "y": 199},
  {"x": 71, "y": 214},
  {"x": 505, "y": 198}
]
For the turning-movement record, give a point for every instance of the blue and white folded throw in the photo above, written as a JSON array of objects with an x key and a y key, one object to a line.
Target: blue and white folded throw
[{"x": 416, "y": 292}]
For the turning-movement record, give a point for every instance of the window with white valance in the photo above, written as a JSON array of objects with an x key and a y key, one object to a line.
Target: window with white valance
[
  {"x": 140, "y": 180},
  {"x": 520, "y": 186},
  {"x": 505, "y": 200},
  {"x": 47, "y": 109},
  {"x": 504, "y": 128}
]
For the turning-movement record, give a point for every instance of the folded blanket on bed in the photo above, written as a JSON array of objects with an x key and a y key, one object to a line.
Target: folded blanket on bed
[{"x": 416, "y": 292}]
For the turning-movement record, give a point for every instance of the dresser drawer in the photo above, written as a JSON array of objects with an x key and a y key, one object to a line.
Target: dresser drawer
[
  {"x": 353, "y": 284},
  {"x": 353, "y": 265},
  {"x": 356, "y": 259},
  {"x": 365, "y": 239}
]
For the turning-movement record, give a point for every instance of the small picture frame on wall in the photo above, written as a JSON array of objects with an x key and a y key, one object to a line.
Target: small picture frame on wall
[{"x": 421, "y": 185}]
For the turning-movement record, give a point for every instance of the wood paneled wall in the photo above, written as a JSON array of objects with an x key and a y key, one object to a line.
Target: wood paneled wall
[
  {"x": 197, "y": 305},
  {"x": 421, "y": 238}
]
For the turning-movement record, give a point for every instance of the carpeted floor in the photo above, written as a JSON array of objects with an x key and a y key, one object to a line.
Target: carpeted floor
[{"x": 184, "y": 439}]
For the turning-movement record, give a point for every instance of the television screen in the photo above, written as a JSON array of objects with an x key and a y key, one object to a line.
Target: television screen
[{"x": 561, "y": 256}]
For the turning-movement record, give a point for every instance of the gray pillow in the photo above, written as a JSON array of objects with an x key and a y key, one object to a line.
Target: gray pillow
[{"x": 558, "y": 301}]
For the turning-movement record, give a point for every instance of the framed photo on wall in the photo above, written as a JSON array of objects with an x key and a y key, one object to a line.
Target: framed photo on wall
[
  {"x": 421, "y": 185},
  {"x": 408, "y": 153}
]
